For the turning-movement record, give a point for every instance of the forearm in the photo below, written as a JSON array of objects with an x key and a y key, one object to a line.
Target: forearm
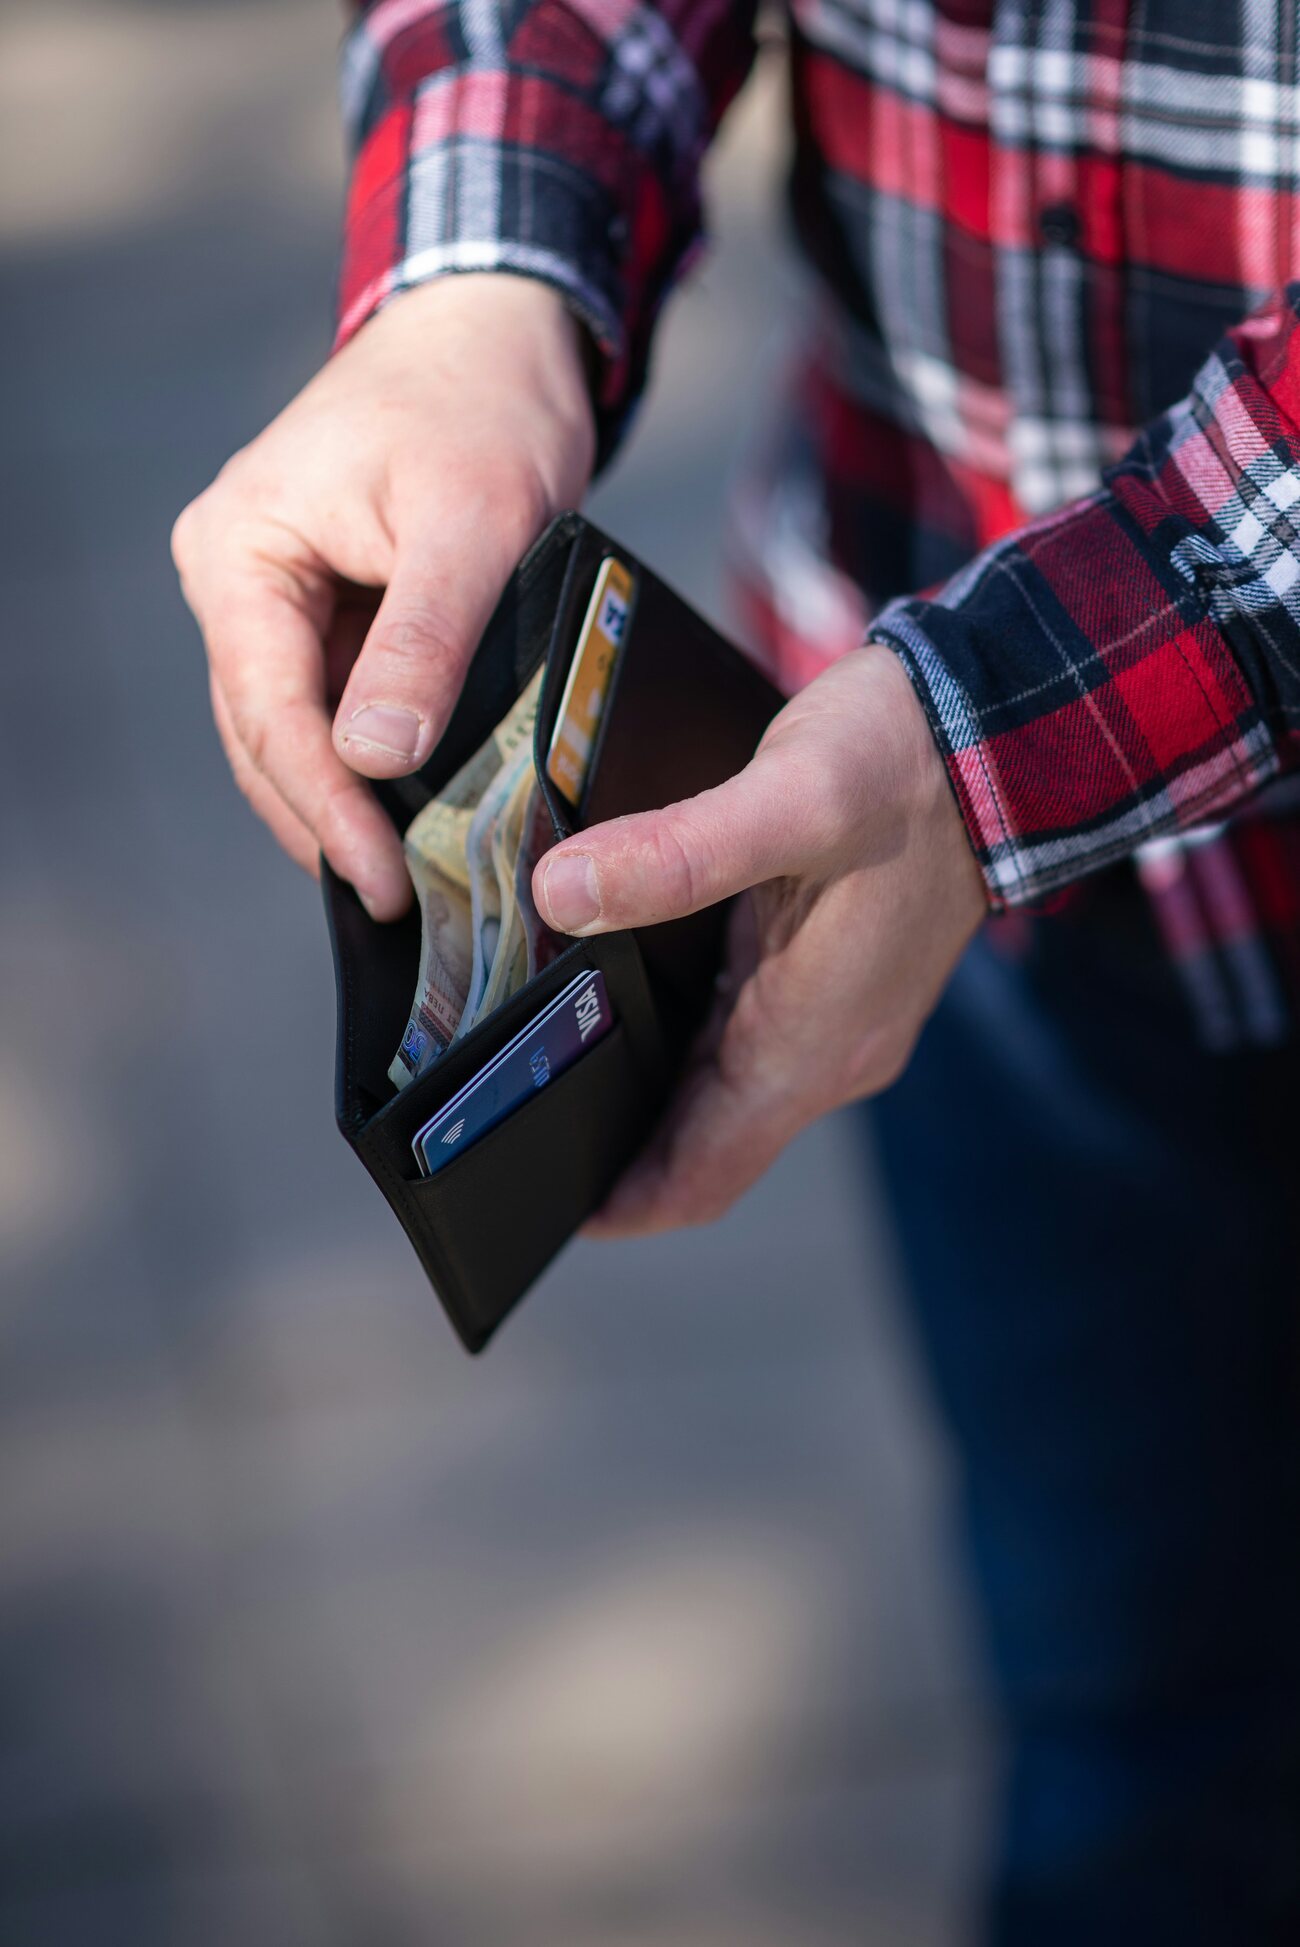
[
  {"x": 567, "y": 149},
  {"x": 1130, "y": 666}
]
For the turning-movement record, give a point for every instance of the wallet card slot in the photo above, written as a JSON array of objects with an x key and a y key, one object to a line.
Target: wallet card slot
[
  {"x": 395, "y": 1125},
  {"x": 584, "y": 560},
  {"x": 488, "y": 1223},
  {"x": 530, "y": 1111},
  {"x": 409, "y": 1110}
]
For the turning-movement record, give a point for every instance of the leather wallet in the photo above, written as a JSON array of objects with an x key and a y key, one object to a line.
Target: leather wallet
[{"x": 684, "y": 712}]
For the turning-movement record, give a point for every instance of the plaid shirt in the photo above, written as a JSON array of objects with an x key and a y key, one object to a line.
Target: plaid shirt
[{"x": 1053, "y": 380}]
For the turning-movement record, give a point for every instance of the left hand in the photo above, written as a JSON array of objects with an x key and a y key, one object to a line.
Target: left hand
[{"x": 865, "y": 892}]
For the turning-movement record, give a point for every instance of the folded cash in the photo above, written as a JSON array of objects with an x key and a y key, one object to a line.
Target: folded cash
[
  {"x": 491, "y": 898},
  {"x": 485, "y": 900},
  {"x": 468, "y": 854},
  {"x": 543, "y": 945}
]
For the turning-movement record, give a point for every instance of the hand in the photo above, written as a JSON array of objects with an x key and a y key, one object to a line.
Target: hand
[
  {"x": 865, "y": 893},
  {"x": 422, "y": 460}
]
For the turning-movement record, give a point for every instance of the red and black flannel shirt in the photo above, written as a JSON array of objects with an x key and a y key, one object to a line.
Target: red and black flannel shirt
[{"x": 1053, "y": 380}]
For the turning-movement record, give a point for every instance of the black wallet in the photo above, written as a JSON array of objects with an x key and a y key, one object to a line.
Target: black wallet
[{"x": 685, "y": 711}]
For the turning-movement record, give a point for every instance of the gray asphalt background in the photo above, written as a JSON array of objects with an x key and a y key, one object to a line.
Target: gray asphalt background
[{"x": 642, "y": 1632}]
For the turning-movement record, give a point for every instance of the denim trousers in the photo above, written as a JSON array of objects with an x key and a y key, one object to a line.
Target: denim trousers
[{"x": 1099, "y": 1222}]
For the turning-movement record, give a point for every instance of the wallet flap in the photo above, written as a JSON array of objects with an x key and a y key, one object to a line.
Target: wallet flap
[{"x": 375, "y": 971}]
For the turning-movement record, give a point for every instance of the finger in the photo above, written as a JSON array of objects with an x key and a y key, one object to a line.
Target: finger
[
  {"x": 443, "y": 588},
  {"x": 288, "y": 831},
  {"x": 660, "y": 865},
  {"x": 266, "y": 656}
]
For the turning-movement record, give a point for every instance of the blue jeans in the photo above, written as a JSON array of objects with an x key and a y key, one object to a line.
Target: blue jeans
[{"x": 1099, "y": 1224}]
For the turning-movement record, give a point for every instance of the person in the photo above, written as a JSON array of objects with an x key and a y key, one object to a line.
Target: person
[{"x": 1019, "y": 845}]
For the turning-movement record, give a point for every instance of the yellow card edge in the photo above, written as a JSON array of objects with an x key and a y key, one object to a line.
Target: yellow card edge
[{"x": 608, "y": 563}]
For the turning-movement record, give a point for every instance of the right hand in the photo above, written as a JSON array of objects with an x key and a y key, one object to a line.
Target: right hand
[{"x": 422, "y": 460}]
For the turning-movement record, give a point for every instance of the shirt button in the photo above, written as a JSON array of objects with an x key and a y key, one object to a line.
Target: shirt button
[{"x": 1059, "y": 224}]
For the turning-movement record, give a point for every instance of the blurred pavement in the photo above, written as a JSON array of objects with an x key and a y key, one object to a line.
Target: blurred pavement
[{"x": 640, "y": 1632}]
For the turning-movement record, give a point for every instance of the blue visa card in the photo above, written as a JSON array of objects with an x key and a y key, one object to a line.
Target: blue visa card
[{"x": 572, "y": 1024}]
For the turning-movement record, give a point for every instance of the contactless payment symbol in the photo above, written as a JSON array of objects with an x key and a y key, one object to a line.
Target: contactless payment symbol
[{"x": 455, "y": 1133}]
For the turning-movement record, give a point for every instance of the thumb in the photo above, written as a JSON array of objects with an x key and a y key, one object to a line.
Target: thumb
[
  {"x": 660, "y": 865},
  {"x": 404, "y": 684}
]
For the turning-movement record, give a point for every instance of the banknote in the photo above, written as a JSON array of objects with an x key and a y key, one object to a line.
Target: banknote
[
  {"x": 509, "y": 833},
  {"x": 489, "y": 911},
  {"x": 438, "y": 859},
  {"x": 539, "y": 836},
  {"x": 443, "y": 980},
  {"x": 509, "y": 968},
  {"x": 485, "y": 913},
  {"x": 439, "y": 832}
]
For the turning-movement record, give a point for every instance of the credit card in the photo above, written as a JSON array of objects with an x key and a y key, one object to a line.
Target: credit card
[
  {"x": 590, "y": 674},
  {"x": 569, "y": 1027}
]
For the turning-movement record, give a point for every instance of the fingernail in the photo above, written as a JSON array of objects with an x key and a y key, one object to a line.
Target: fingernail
[
  {"x": 572, "y": 894},
  {"x": 380, "y": 727}
]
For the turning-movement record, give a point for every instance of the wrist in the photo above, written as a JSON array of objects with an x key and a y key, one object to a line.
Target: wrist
[
  {"x": 925, "y": 789},
  {"x": 522, "y": 329}
]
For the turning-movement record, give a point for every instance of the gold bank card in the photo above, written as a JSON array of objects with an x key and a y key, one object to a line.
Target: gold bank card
[{"x": 590, "y": 673}]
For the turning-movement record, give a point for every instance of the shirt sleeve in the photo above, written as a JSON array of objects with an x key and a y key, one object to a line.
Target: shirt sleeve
[
  {"x": 1129, "y": 666},
  {"x": 558, "y": 139}
]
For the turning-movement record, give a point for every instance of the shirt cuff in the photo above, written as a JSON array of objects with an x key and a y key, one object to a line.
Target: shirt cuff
[
  {"x": 446, "y": 182},
  {"x": 1082, "y": 702}
]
